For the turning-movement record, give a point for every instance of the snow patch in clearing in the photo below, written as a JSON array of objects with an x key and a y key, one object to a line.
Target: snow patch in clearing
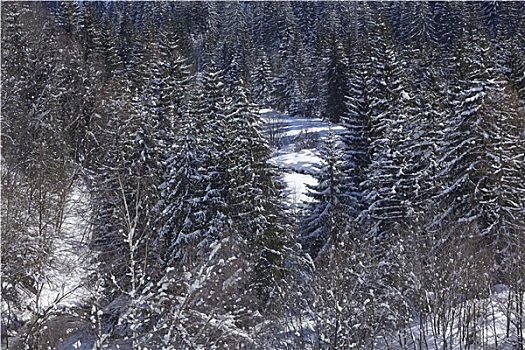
[
  {"x": 297, "y": 153},
  {"x": 296, "y": 189},
  {"x": 305, "y": 160},
  {"x": 298, "y": 139}
]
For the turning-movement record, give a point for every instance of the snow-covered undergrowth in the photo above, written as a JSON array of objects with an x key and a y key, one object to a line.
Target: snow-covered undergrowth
[
  {"x": 492, "y": 322},
  {"x": 65, "y": 285},
  {"x": 62, "y": 285}
]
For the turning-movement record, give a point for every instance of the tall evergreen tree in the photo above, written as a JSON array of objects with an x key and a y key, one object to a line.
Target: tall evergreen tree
[
  {"x": 262, "y": 81},
  {"x": 479, "y": 166},
  {"x": 200, "y": 194},
  {"x": 390, "y": 99},
  {"x": 336, "y": 85},
  {"x": 356, "y": 121},
  {"x": 516, "y": 71},
  {"x": 237, "y": 47},
  {"x": 416, "y": 25},
  {"x": 326, "y": 223},
  {"x": 182, "y": 178},
  {"x": 289, "y": 82}
]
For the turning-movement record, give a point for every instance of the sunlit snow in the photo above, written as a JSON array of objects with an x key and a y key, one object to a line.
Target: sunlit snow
[{"x": 297, "y": 152}]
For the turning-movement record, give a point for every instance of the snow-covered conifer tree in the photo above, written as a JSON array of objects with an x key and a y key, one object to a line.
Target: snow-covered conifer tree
[
  {"x": 327, "y": 221},
  {"x": 389, "y": 100},
  {"x": 356, "y": 140},
  {"x": 336, "y": 81}
]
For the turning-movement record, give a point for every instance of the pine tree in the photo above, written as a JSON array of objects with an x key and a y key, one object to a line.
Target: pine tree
[
  {"x": 179, "y": 162},
  {"x": 316, "y": 46},
  {"x": 356, "y": 140},
  {"x": 244, "y": 145},
  {"x": 423, "y": 143},
  {"x": 502, "y": 196},
  {"x": 479, "y": 166},
  {"x": 417, "y": 27},
  {"x": 181, "y": 183},
  {"x": 265, "y": 21},
  {"x": 460, "y": 152},
  {"x": 109, "y": 49},
  {"x": 491, "y": 13},
  {"x": 69, "y": 18},
  {"x": 207, "y": 108},
  {"x": 15, "y": 71},
  {"x": 175, "y": 72},
  {"x": 449, "y": 21},
  {"x": 125, "y": 33},
  {"x": 306, "y": 14},
  {"x": 252, "y": 194},
  {"x": 516, "y": 72},
  {"x": 206, "y": 32},
  {"x": 237, "y": 57}
]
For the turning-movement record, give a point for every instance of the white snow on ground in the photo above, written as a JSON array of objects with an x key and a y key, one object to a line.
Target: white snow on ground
[
  {"x": 297, "y": 140},
  {"x": 265, "y": 110},
  {"x": 305, "y": 160},
  {"x": 296, "y": 188},
  {"x": 473, "y": 324},
  {"x": 64, "y": 283}
]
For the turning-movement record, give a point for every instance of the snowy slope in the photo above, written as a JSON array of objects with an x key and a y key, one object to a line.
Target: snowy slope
[
  {"x": 66, "y": 285},
  {"x": 63, "y": 287}
]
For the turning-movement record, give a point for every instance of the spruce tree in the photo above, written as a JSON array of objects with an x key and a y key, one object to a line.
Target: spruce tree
[
  {"x": 289, "y": 86},
  {"x": 356, "y": 140},
  {"x": 262, "y": 81},
  {"x": 479, "y": 169},
  {"x": 326, "y": 224},
  {"x": 389, "y": 100},
  {"x": 237, "y": 47},
  {"x": 182, "y": 178},
  {"x": 462, "y": 143},
  {"x": 336, "y": 81}
]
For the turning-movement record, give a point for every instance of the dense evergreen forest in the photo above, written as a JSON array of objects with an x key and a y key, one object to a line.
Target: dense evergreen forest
[{"x": 148, "y": 113}]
